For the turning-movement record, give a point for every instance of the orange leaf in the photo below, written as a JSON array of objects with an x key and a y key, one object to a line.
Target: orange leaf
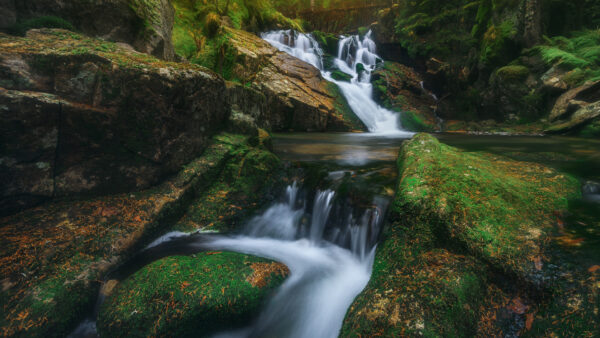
[
  {"x": 593, "y": 268},
  {"x": 529, "y": 321}
]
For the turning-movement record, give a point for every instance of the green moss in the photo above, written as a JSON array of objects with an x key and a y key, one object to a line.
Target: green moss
[
  {"x": 341, "y": 76},
  {"x": 484, "y": 202},
  {"x": 513, "y": 73},
  {"x": 413, "y": 122},
  {"x": 190, "y": 296},
  {"x": 498, "y": 45},
  {"x": 41, "y": 22}
]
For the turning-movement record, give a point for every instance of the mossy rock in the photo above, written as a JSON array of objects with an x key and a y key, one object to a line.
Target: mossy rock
[
  {"x": 190, "y": 296},
  {"x": 498, "y": 209},
  {"x": 414, "y": 122},
  {"x": 338, "y": 75},
  {"x": 513, "y": 73}
]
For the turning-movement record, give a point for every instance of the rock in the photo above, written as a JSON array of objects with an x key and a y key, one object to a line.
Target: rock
[
  {"x": 459, "y": 191},
  {"x": 92, "y": 236},
  {"x": 98, "y": 118},
  {"x": 553, "y": 82},
  {"x": 144, "y": 24},
  {"x": 574, "y": 100},
  {"x": 584, "y": 115},
  {"x": 250, "y": 102},
  {"x": 298, "y": 98},
  {"x": 340, "y": 76},
  {"x": 190, "y": 296},
  {"x": 398, "y": 87},
  {"x": 462, "y": 224}
]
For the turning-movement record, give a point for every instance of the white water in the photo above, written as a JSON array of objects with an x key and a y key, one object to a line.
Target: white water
[
  {"x": 328, "y": 269},
  {"x": 352, "y": 51}
]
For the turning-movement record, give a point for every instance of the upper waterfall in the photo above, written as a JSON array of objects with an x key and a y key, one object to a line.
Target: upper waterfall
[{"x": 356, "y": 57}]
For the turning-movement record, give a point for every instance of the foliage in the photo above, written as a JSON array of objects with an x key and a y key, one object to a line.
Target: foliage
[
  {"x": 579, "y": 53},
  {"x": 41, "y": 22}
]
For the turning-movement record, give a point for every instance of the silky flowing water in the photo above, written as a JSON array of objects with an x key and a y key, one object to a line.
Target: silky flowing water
[{"x": 352, "y": 52}]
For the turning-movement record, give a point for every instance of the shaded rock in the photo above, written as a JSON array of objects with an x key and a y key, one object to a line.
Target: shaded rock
[
  {"x": 121, "y": 120},
  {"x": 190, "y": 296},
  {"x": 553, "y": 81},
  {"x": 146, "y": 25},
  {"x": 297, "y": 96},
  {"x": 93, "y": 236},
  {"x": 250, "y": 102},
  {"x": 584, "y": 115},
  {"x": 399, "y": 88},
  {"x": 575, "y": 99}
]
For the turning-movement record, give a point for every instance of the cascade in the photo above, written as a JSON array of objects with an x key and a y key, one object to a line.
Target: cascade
[{"x": 356, "y": 57}]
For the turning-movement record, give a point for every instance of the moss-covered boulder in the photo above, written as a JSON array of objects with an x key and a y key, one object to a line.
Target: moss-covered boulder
[
  {"x": 193, "y": 296},
  {"x": 465, "y": 250},
  {"x": 498, "y": 209},
  {"x": 144, "y": 24},
  {"x": 54, "y": 255},
  {"x": 123, "y": 120},
  {"x": 399, "y": 88}
]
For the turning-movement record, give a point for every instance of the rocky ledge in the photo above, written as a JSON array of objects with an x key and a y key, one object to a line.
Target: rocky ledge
[{"x": 81, "y": 115}]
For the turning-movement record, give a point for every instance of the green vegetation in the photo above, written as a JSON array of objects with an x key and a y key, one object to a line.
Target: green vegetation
[
  {"x": 498, "y": 209},
  {"x": 199, "y": 32},
  {"x": 413, "y": 122},
  {"x": 579, "y": 53},
  {"x": 42, "y": 22},
  {"x": 64, "y": 247},
  {"x": 190, "y": 296},
  {"x": 249, "y": 175}
]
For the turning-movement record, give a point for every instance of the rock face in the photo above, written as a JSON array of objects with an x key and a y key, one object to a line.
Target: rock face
[
  {"x": 144, "y": 24},
  {"x": 297, "y": 96},
  {"x": 398, "y": 87},
  {"x": 86, "y": 116}
]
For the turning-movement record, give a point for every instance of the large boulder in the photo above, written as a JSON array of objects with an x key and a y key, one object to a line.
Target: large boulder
[
  {"x": 190, "y": 296},
  {"x": 298, "y": 98},
  {"x": 575, "y": 99},
  {"x": 86, "y": 116},
  {"x": 144, "y": 24}
]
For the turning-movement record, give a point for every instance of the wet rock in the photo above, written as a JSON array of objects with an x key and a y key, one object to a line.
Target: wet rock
[
  {"x": 574, "y": 100},
  {"x": 95, "y": 118},
  {"x": 190, "y": 296},
  {"x": 398, "y": 87},
  {"x": 298, "y": 98},
  {"x": 146, "y": 25}
]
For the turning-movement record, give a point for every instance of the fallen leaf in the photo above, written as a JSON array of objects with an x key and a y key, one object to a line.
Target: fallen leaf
[
  {"x": 538, "y": 263},
  {"x": 593, "y": 268},
  {"x": 529, "y": 321}
]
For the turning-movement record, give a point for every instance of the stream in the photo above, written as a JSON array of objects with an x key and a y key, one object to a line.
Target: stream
[{"x": 328, "y": 240}]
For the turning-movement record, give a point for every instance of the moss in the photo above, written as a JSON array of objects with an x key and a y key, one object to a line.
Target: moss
[
  {"x": 190, "y": 296},
  {"x": 41, "y": 22},
  {"x": 484, "y": 202},
  {"x": 498, "y": 44},
  {"x": 346, "y": 116},
  {"x": 66, "y": 246},
  {"x": 340, "y": 76},
  {"x": 513, "y": 73},
  {"x": 413, "y": 122}
]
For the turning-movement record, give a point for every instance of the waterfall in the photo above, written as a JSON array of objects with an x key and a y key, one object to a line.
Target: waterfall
[
  {"x": 330, "y": 262},
  {"x": 356, "y": 57}
]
